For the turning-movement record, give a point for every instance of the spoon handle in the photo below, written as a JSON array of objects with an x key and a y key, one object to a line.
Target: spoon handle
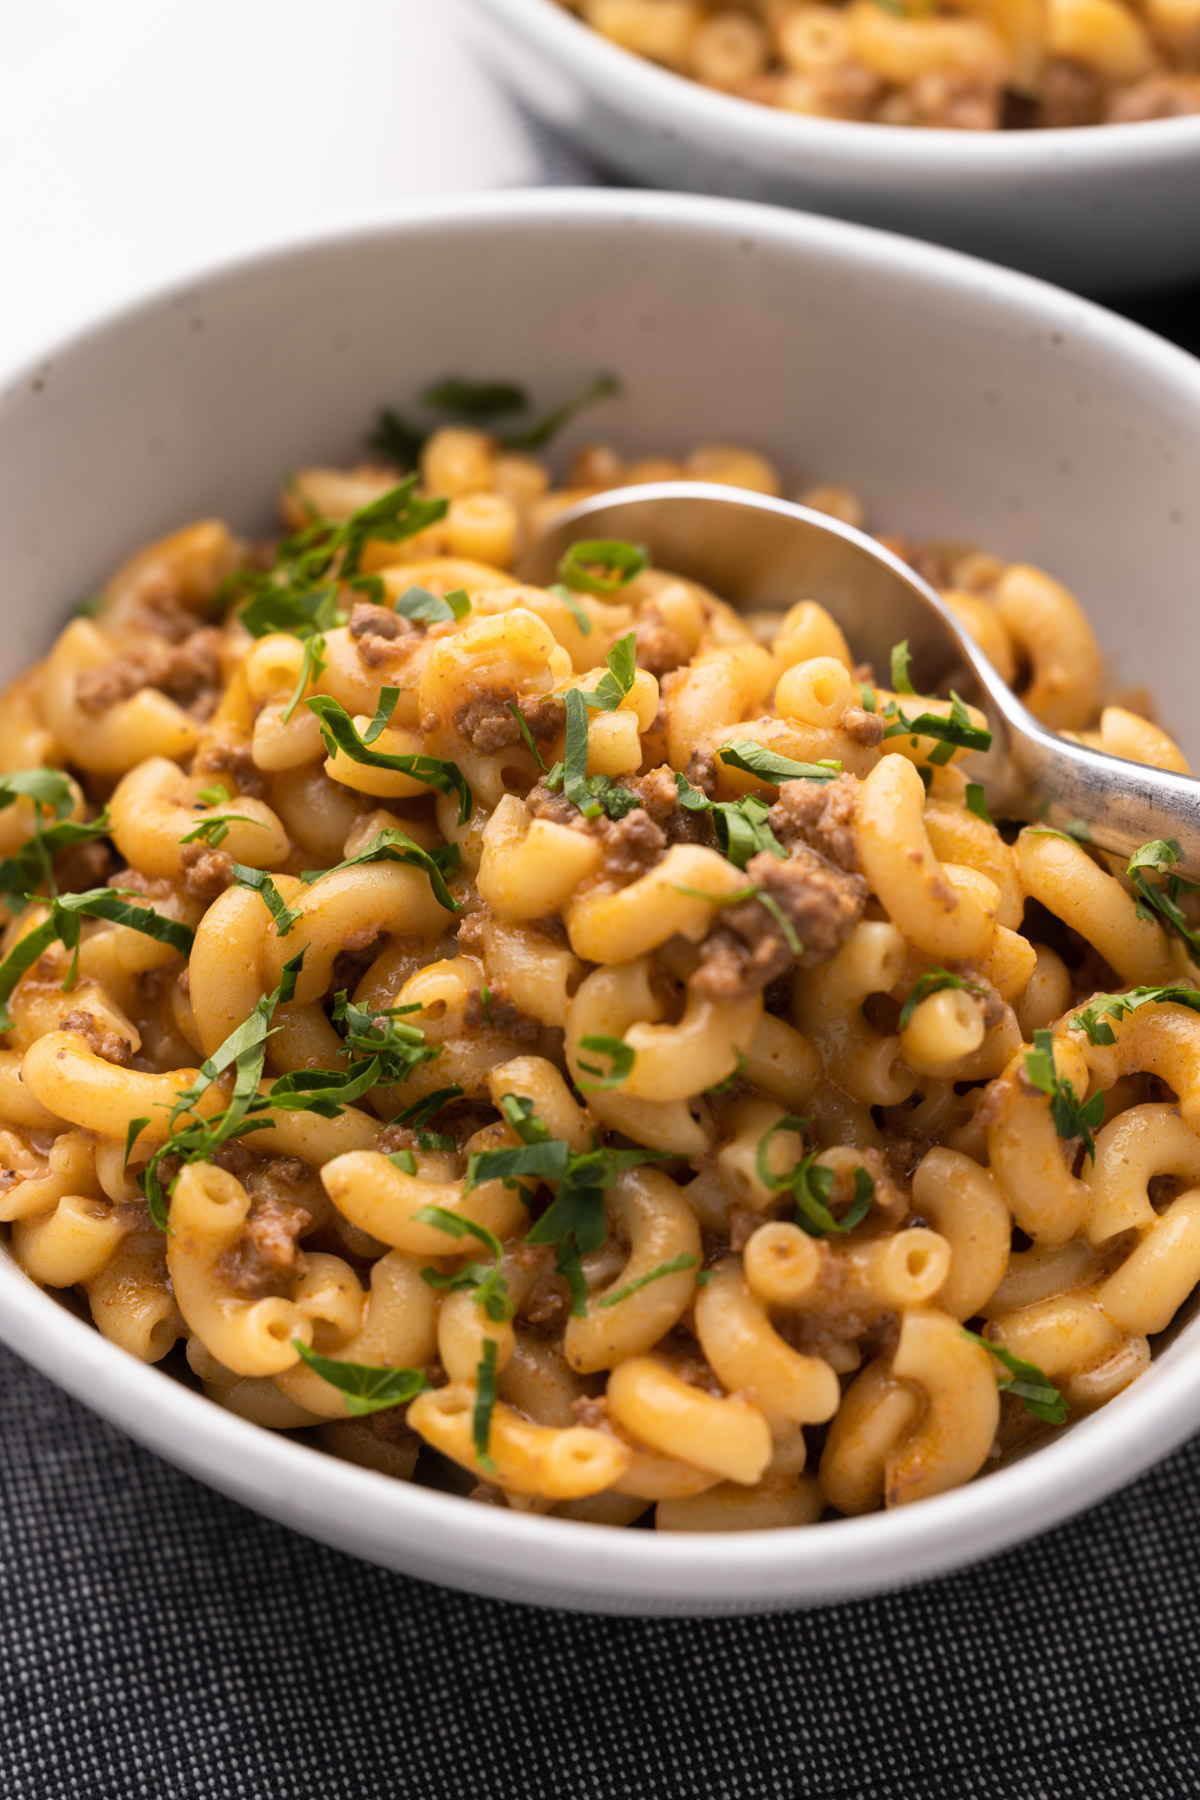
[{"x": 1117, "y": 805}]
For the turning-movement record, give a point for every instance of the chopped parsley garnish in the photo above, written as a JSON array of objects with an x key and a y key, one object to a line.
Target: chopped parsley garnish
[
  {"x": 341, "y": 738},
  {"x": 674, "y": 1267},
  {"x": 811, "y": 1185},
  {"x": 422, "y": 1111},
  {"x": 244, "y": 1051},
  {"x": 568, "y": 1265},
  {"x": 901, "y": 662},
  {"x": 692, "y": 799},
  {"x": 953, "y": 733},
  {"x": 300, "y": 593},
  {"x": 381, "y": 1037},
  {"x": 768, "y": 765},
  {"x": 1026, "y": 1381},
  {"x": 382, "y": 716},
  {"x": 485, "y": 1282},
  {"x": 1072, "y": 1117},
  {"x": 617, "y": 679},
  {"x": 285, "y": 916},
  {"x": 1116, "y": 1006},
  {"x": 621, "y": 1059},
  {"x": 756, "y": 891},
  {"x": 485, "y": 1404},
  {"x": 65, "y": 925},
  {"x": 742, "y": 830},
  {"x": 539, "y": 434},
  {"x": 22, "y": 873},
  {"x": 523, "y": 728},
  {"x": 575, "y": 1220},
  {"x": 480, "y": 403},
  {"x": 364, "y": 1388},
  {"x": 933, "y": 981},
  {"x": 475, "y": 400},
  {"x": 977, "y": 802},
  {"x": 518, "y": 1110},
  {"x": 571, "y": 602},
  {"x": 601, "y": 566},
  {"x": 424, "y": 608},
  {"x": 1162, "y": 855},
  {"x": 215, "y": 830},
  {"x": 536, "y": 1161},
  {"x": 393, "y": 845},
  {"x": 379, "y": 1051},
  {"x": 396, "y": 440},
  {"x": 299, "y": 612},
  {"x": 576, "y": 1214},
  {"x": 593, "y": 794}
]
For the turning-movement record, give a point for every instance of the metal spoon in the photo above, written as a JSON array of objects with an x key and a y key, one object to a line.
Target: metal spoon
[{"x": 757, "y": 552}]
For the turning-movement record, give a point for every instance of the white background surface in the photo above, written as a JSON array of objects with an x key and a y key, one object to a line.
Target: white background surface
[{"x": 140, "y": 139}]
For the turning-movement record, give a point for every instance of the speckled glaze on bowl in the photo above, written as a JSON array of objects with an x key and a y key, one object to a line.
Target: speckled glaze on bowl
[
  {"x": 1101, "y": 208},
  {"x": 957, "y": 397}
]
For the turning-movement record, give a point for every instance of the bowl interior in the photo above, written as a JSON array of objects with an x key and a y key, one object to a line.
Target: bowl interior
[
  {"x": 959, "y": 400},
  {"x": 924, "y": 382}
]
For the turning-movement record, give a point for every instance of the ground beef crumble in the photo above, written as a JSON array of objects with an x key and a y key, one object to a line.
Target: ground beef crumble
[
  {"x": 236, "y": 760},
  {"x": 185, "y": 671},
  {"x": 821, "y": 815},
  {"x": 659, "y": 648},
  {"x": 267, "y": 1257},
  {"x": 632, "y": 845},
  {"x": 84, "y": 866},
  {"x": 748, "y": 948},
  {"x": 382, "y": 636},
  {"x": 659, "y": 795},
  {"x": 1163, "y": 94},
  {"x": 1070, "y": 94},
  {"x": 501, "y": 1014},
  {"x": 206, "y": 872},
  {"x": 489, "y": 725},
  {"x": 470, "y": 931},
  {"x": 110, "y": 1045},
  {"x": 862, "y": 727}
]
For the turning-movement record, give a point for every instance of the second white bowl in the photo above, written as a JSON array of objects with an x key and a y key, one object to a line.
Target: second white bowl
[{"x": 1108, "y": 208}]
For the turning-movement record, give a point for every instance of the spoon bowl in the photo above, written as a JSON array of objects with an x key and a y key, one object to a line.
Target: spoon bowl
[{"x": 758, "y": 552}]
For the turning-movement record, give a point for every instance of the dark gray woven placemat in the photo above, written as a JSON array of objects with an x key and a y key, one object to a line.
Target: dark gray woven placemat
[{"x": 160, "y": 1641}]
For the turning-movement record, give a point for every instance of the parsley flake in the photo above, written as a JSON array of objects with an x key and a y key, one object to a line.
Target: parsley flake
[
  {"x": 1026, "y": 1381},
  {"x": 364, "y": 1388},
  {"x": 1072, "y": 1117},
  {"x": 675, "y": 1267},
  {"x": 341, "y": 738},
  {"x": 602, "y": 566}
]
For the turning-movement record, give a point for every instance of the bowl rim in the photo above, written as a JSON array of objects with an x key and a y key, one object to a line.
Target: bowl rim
[
  {"x": 557, "y": 1561},
  {"x": 768, "y": 134}
]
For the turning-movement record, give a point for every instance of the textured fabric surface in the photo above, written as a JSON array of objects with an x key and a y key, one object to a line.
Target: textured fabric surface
[{"x": 160, "y": 1641}]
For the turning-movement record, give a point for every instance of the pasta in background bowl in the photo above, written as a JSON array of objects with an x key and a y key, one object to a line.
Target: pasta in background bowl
[
  {"x": 800, "y": 1245},
  {"x": 1098, "y": 209}
]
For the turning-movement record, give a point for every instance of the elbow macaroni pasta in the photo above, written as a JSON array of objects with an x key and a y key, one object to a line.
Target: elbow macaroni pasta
[
  {"x": 953, "y": 65},
  {"x": 768, "y": 1131}
]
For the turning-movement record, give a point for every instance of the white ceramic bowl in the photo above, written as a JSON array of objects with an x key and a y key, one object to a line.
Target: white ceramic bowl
[
  {"x": 1102, "y": 209},
  {"x": 954, "y": 395}
]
